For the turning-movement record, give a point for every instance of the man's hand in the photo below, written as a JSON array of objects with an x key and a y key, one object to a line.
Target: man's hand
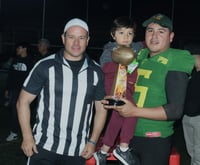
[
  {"x": 126, "y": 110},
  {"x": 29, "y": 147},
  {"x": 88, "y": 151}
]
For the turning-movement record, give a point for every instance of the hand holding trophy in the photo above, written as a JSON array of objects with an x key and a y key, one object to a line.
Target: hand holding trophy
[{"x": 123, "y": 56}]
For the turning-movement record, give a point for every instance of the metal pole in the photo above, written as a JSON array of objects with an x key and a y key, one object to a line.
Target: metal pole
[
  {"x": 172, "y": 12},
  {"x": 130, "y": 8},
  {"x": 87, "y": 8},
  {"x": 43, "y": 18}
]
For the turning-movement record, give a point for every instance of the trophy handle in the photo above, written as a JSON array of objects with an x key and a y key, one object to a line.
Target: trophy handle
[{"x": 115, "y": 102}]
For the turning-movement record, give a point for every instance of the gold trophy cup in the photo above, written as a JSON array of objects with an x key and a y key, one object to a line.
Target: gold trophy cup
[{"x": 123, "y": 56}]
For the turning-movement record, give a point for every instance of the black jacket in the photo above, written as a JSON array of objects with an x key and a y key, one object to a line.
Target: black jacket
[{"x": 192, "y": 103}]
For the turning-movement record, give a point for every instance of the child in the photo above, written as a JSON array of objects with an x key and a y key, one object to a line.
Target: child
[{"x": 122, "y": 32}]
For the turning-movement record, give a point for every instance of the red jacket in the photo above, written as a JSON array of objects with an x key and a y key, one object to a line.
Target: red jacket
[{"x": 110, "y": 69}]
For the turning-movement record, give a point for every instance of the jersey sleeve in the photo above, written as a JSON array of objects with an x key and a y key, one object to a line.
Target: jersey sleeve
[
  {"x": 182, "y": 61},
  {"x": 35, "y": 80}
]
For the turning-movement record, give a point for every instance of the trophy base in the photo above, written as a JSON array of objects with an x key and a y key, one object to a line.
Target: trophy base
[{"x": 115, "y": 102}]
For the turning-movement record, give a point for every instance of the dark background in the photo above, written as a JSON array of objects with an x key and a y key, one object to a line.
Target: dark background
[
  {"x": 26, "y": 20},
  {"x": 30, "y": 20}
]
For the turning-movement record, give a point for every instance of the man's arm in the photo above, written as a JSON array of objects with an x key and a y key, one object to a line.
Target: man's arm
[
  {"x": 176, "y": 86},
  {"x": 23, "y": 108},
  {"x": 98, "y": 125},
  {"x": 99, "y": 121},
  {"x": 130, "y": 110},
  {"x": 197, "y": 61}
]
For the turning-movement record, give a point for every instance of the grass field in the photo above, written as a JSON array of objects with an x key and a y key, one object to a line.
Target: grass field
[{"x": 10, "y": 152}]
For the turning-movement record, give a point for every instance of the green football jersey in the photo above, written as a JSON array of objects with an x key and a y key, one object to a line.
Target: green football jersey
[{"x": 150, "y": 86}]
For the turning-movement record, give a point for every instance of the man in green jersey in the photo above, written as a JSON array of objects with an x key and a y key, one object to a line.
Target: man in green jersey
[{"x": 159, "y": 92}]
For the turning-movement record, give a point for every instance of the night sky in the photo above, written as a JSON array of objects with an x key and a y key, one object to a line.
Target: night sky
[{"x": 23, "y": 19}]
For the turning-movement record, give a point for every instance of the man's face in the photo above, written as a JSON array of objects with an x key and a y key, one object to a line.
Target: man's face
[
  {"x": 42, "y": 47},
  {"x": 158, "y": 38},
  {"x": 75, "y": 41},
  {"x": 20, "y": 51}
]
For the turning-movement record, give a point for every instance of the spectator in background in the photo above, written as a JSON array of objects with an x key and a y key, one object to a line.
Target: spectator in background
[
  {"x": 43, "y": 49},
  {"x": 191, "y": 118},
  {"x": 7, "y": 64},
  {"x": 68, "y": 84},
  {"x": 21, "y": 65}
]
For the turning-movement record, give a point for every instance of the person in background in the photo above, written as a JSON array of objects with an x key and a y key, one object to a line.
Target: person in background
[
  {"x": 191, "y": 118},
  {"x": 159, "y": 92},
  {"x": 7, "y": 64},
  {"x": 122, "y": 31},
  {"x": 43, "y": 49},
  {"x": 68, "y": 84},
  {"x": 22, "y": 63}
]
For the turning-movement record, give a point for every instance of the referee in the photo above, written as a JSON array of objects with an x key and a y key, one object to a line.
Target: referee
[{"x": 68, "y": 84}]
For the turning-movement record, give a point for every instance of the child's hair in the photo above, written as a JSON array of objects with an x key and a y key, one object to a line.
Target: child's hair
[
  {"x": 122, "y": 22},
  {"x": 23, "y": 44}
]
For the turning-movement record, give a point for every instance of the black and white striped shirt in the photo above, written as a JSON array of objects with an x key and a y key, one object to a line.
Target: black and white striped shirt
[{"x": 66, "y": 102}]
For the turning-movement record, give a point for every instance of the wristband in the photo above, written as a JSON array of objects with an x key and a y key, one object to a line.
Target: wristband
[{"x": 92, "y": 142}]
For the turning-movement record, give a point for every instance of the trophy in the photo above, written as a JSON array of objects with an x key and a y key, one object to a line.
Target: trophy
[{"x": 123, "y": 56}]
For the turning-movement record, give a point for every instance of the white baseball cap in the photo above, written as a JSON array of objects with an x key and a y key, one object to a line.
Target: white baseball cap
[{"x": 76, "y": 22}]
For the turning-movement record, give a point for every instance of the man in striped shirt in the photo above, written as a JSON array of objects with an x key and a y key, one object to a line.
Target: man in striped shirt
[{"x": 68, "y": 83}]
